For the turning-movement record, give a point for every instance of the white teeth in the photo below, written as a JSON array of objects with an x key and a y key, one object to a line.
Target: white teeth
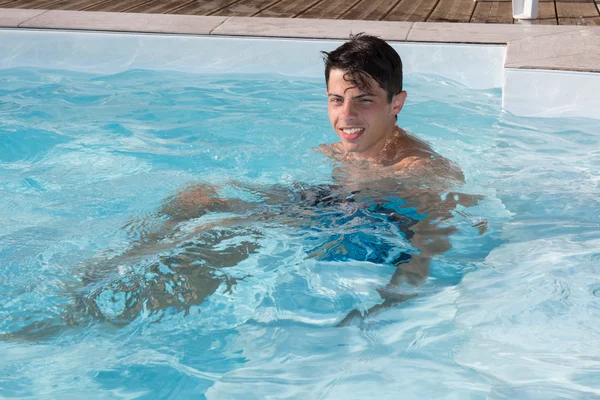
[{"x": 352, "y": 131}]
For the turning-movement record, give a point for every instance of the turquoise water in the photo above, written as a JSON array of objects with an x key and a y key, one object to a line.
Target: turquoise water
[{"x": 249, "y": 310}]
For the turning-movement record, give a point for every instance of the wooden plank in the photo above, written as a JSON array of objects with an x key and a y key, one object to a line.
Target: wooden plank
[
  {"x": 75, "y": 5},
  {"x": 577, "y": 13},
  {"x": 7, "y": 3},
  {"x": 287, "y": 9},
  {"x": 116, "y": 5},
  {"x": 246, "y": 8},
  {"x": 494, "y": 12},
  {"x": 546, "y": 14},
  {"x": 153, "y": 6},
  {"x": 33, "y": 4},
  {"x": 580, "y": 21},
  {"x": 574, "y": 10},
  {"x": 544, "y": 21},
  {"x": 452, "y": 11},
  {"x": 331, "y": 9},
  {"x": 190, "y": 7},
  {"x": 411, "y": 10},
  {"x": 373, "y": 10},
  {"x": 539, "y": 21}
]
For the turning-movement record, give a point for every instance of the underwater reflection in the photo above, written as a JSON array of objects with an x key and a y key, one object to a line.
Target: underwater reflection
[{"x": 178, "y": 258}]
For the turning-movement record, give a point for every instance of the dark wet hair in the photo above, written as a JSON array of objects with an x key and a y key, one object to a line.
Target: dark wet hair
[{"x": 365, "y": 56}]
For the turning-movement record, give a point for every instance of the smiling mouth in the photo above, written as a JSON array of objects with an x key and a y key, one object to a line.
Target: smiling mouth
[{"x": 352, "y": 133}]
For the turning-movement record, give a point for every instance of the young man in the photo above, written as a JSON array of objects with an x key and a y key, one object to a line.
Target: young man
[{"x": 365, "y": 96}]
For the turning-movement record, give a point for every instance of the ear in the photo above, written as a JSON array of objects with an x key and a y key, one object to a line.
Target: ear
[{"x": 398, "y": 102}]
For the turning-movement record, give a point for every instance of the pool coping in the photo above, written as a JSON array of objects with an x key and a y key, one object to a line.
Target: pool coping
[{"x": 543, "y": 47}]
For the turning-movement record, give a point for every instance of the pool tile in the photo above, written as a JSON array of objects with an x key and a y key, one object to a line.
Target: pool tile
[
  {"x": 311, "y": 28},
  {"x": 480, "y": 33},
  {"x": 125, "y": 22},
  {"x": 575, "y": 51},
  {"x": 13, "y": 17}
]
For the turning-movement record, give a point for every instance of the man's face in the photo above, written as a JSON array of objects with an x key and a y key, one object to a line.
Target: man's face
[{"x": 363, "y": 120}]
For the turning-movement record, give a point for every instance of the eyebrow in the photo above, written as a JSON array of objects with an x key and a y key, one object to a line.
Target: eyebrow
[{"x": 355, "y": 97}]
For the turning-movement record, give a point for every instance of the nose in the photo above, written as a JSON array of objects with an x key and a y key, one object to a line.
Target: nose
[{"x": 348, "y": 110}]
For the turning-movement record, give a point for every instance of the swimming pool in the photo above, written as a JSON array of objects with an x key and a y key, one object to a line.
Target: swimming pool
[{"x": 89, "y": 154}]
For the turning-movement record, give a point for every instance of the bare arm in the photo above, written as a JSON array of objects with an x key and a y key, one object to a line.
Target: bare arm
[
  {"x": 195, "y": 201},
  {"x": 430, "y": 239}
]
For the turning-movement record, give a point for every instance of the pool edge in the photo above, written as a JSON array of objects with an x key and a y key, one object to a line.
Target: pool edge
[{"x": 528, "y": 46}]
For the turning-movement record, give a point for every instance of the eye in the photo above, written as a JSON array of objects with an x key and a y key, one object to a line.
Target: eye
[
  {"x": 365, "y": 101},
  {"x": 336, "y": 100}
]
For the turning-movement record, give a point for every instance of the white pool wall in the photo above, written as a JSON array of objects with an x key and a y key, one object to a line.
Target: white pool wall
[
  {"x": 477, "y": 67},
  {"x": 539, "y": 93},
  {"x": 526, "y": 92}
]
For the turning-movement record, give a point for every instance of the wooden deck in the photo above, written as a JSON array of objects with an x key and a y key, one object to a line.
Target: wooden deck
[{"x": 554, "y": 12}]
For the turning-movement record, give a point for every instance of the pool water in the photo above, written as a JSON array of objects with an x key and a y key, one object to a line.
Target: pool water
[{"x": 91, "y": 308}]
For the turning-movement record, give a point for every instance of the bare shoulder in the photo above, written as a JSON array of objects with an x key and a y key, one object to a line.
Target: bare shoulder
[
  {"x": 415, "y": 158},
  {"x": 429, "y": 165},
  {"x": 333, "y": 150}
]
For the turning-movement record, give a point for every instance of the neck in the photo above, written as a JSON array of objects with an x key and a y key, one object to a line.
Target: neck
[
  {"x": 381, "y": 151},
  {"x": 389, "y": 152}
]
